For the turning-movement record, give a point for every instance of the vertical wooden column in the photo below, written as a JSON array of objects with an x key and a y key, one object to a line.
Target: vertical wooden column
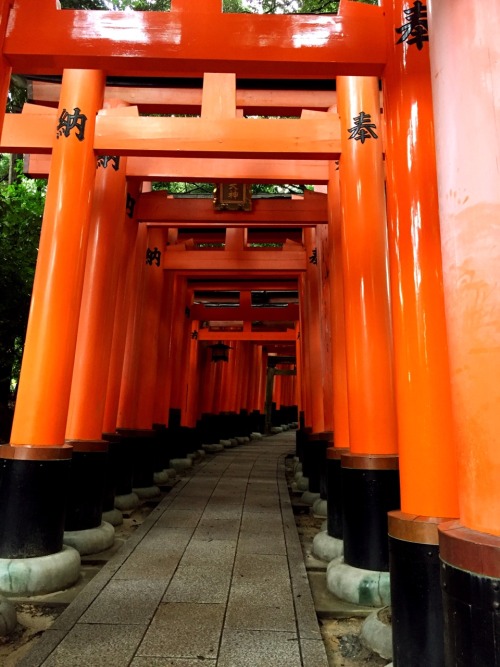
[
  {"x": 370, "y": 469},
  {"x": 467, "y": 139},
  {"x": 126, "y": 280},
  {"x": 32, "y": 522},
  {"x": 162, "y": 391},
  {"x": 89, "y": 473},
  {"x": 324, "y": 267},
  {"x": 337, "y": 310},
  {"x": 5, "y": 68},
  {"x": 312, "y": 333},
  {"x": 136, "y": 405},
  {"x": 427, "y": 462},
  {"x": 193, "y": 380},
  {"x": 95, "y": 328}
]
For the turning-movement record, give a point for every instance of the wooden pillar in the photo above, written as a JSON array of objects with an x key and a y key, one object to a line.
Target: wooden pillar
[
  {"x": 193, "y": 380},
  {"x": 90, "y": 484},
  {"x": 337, "y": 310},
  {"x": 467, "y": 139},
  {"x": 5, "y": 68},
  {"x": 312, "y": 334},
  {"x": 95, "y": 328},
  {"x": 31, "y": 521},
  {"x": 427, "y": 462},
  {"x": 372, "y": 416},
  {"x": 324, "y": 269},
  {"x": 126, "y": 279}
]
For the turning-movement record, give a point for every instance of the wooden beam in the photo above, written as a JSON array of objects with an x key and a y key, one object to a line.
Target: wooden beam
[
  {"x": 157, "y": 207},
  {"x": 317, "y": 138},
  {"x": 207, "y": 170},
  {"x": 218, "y": 284},
  {"x": 151, "y": 100},
  {"x": 240, "y": 314},
  {"x": 309, "y": 138},
  {"x": 261, "y": 336},
  {"x": 190, "y": 43},
  {"x": 220, "y": 262}
]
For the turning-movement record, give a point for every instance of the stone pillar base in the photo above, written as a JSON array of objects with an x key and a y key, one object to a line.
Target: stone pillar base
[
  {"x": 127, "y": 502},
  {"x": 91, "y": 540},
  {"x": 327, "y": 548},
  {"x": 369, "y": 588},
  {"x": 41, "y": 574}
]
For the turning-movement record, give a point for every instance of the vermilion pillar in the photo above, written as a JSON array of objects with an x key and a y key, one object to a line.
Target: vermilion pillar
[
  {"x": 135, "y": 414},
  {"x": 370, "y": 470},
  {"x": 340, "y": 406},
  {"x": 126, "y": 278},
  {"x": 5, "y": 68},
  {"x": 427, "y": 462},
  {"x": 33, "y": 525},
  {"x": 95, "y": 332},
  {"x": 467, "y": 131},
  {"x": 312, "y": 334}
]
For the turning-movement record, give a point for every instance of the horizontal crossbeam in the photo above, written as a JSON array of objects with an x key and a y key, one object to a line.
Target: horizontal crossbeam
[
  {"x": 260, "y": 336},
  {"x": 157, "y": 207},
  {"x": 189, "y": 43}
]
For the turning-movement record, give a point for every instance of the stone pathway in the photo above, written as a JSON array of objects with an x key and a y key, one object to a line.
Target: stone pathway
[{"x": 214, "y": 577}]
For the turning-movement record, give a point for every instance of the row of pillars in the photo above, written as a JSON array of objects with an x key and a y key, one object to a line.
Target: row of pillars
[
  {"x": 110, "y": 349},
  {"x": 414, "y": 348},
  {"x": 412, "y": 258}
]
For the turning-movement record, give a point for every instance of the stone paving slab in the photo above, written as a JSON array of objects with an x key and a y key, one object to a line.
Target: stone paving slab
[{"x": 214, "y": 576}]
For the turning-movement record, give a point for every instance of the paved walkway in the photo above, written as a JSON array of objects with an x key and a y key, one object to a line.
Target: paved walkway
[{"x": 214, "y": 577}]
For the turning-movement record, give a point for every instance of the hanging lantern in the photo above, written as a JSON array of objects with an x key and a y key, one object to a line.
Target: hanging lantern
[{"x": 220, "y": 351}]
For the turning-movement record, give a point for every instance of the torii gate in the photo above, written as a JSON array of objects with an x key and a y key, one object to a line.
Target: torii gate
[{"x": 388, "y": 42}]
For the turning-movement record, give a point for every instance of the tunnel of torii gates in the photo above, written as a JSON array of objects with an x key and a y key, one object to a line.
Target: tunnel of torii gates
[{"x": 374, "y": 316}]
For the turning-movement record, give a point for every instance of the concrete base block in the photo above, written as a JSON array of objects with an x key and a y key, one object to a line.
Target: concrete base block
[
  {"x": 298, "y": 473},
  {"x": 201, "y": 453},
  {"x": 242, "y": 439},
  {"x": 39, "y": 575},
  {"x": 192, "y": 456},
  {"x": 297, "y": 467},
  {"x": 327, "y": 548},
  {"x": 147, "y": 492},
  {"x": 308, "y": 497},
  {"x": 256, "y": 436},
  {"x": 276, "y": 429},
  {"x": 8, "y": 617},
  {"x": 114, "y": 517},
  {"x": 303, "y": 484},
  {"x": 365, "y": 587},
  {"x": 161, "y": 477},
  {"x": 285, "y": 427},
  {"x": 227, "y": 444},
  {"x": 127, "y": 502},
  {"x": 212, "y": 449},
  {"x": 376, "y": 633},
  {"x": 179, "y": 465},
  {"x": 92, "y": 540},
  {"x": 324, "y": 525},
  {"x": 320, "y": 508}
]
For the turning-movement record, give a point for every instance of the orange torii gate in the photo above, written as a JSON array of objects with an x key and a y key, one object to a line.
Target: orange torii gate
[{"x": 388, "y": 42}]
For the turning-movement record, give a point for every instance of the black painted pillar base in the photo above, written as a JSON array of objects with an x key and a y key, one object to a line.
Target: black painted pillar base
[
  {"x": 334, "y": 492},
  {"x": 470, "y": 583},
  {"x": 87, "y": 484},
  {"x": 314, "y": 458},
  {"x": 33, "y": 491},
  {"x": 370, "y": 489},
  {"x": 416, "y": 603},
  {"x": 142, "y": 443}
]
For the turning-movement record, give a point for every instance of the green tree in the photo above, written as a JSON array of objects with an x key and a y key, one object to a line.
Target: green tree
[{"x": 21, "y": 210}]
